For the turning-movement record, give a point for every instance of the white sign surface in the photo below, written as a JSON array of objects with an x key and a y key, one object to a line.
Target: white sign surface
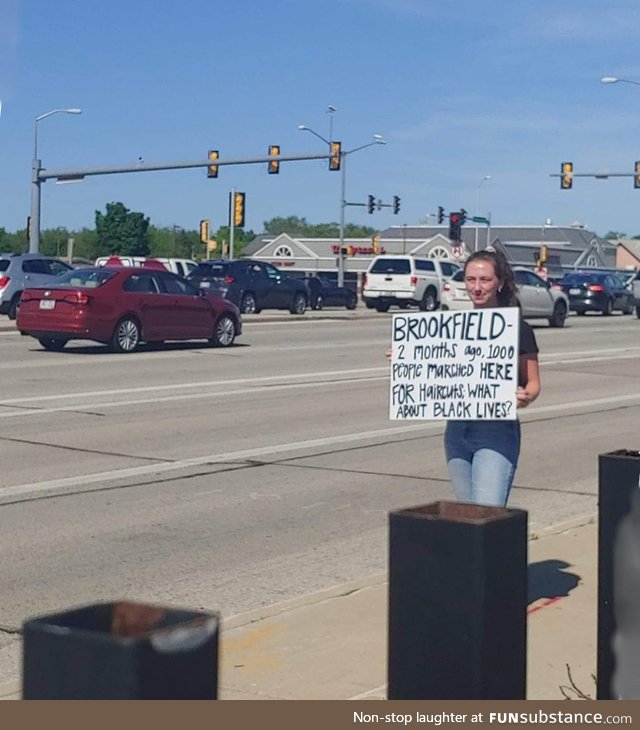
[{"x": 455, "y": 366}]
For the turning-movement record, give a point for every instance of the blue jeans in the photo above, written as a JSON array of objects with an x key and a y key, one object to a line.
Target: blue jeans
[{"x": 482, "y": 457}]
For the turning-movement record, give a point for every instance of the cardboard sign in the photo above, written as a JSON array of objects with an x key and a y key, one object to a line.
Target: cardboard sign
[{"x": 455, "y": 366}]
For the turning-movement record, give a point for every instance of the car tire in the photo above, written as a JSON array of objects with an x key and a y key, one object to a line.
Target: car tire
[
  {"x": 224, "y": 332},
  {"x": 299, "y": 304},
  {"x": 319, "y": 303},
  {"x": 126, "y": 335},
  {"x": 629, "y": 309},
  {"x": 52, "y": 344},
  {"x": 248, "y": 303},
  {"x": 559, "y": 316},
  {"x": 607, "y": 310},
  {"x": 429, "y": 302},
  {"x": 382, "y": 307},
  {"x": 352, "y": 302},
  {"x": 13, "y": 307}
]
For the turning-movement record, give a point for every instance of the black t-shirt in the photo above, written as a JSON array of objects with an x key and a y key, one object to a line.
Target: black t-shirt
[{"x": 527, "y": 346}]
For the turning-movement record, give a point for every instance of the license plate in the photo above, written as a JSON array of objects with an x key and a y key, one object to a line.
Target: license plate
[
  {"x": 575, "y": 291},
  {"x": 205, "y": 284},
  {"x": 386, "y": 294},
  {"x": 47, "y": 304}
]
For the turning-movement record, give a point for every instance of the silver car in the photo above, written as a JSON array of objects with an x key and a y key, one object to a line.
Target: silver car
[
  {"x": 537, "y": 298},
  {"x": 20, "y": 271}
]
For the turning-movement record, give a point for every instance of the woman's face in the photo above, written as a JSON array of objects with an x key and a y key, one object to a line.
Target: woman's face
[{"x": 482, "y": 283}]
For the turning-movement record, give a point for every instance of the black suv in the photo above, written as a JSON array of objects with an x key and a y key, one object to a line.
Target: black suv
[
  {"x": 251, "y": 285},
  {"x": 326, "y": 293}
]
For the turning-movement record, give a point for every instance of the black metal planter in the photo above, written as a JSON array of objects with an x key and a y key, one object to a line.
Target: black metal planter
[
  {"x": 457, "y": 603},
  {"x": 121, "y": 651}
]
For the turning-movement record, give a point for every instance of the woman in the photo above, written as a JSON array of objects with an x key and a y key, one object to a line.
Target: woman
[{"x": 482, "y": 456}]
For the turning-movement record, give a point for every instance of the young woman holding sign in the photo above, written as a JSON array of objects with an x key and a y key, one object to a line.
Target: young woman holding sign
[{"x": 482, "y": 456}]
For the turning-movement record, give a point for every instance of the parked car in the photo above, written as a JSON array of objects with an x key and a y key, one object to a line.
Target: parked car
[
  {"x": 405, "y": 281},
  {"x": 124, "y": 306},
  {"x": 537, "y": 298},
  {"x": 596, "y": 291},
  {"x": 324, "y": 293},
  {"x": 18, "y": 271},
  {"x": 252, "y": 285}
]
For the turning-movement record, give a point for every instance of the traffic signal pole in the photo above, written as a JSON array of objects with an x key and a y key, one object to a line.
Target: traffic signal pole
[
  {"x": 232, "y": 221},
  {"x": 343, "y": 203}
]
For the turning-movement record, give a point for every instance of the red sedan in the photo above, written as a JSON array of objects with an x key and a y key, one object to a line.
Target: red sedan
[{"x": 123, "y": 307}]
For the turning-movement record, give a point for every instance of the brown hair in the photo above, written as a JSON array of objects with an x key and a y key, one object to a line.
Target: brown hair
[{"x": 504, "y": 272}]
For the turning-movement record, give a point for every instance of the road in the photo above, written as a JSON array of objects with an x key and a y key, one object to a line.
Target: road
[{"x": 231, "y": 479}]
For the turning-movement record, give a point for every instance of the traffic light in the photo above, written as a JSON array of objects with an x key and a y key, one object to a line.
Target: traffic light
[
  {"x": 440, "y": 215},
  {"x": 375, "y": 244},
  {"x": 454, "y": 227},
  {"x": 463, "y": 216},
  {"x": 274, "y": 165},
  {"x": 212, "y": 170},
  {"x": 237, "y": 209},
  {"x": 566, "y": 179},
  {"x": 336, "y": 155},
  {"x": 396, "y": 204},
  {"x": 371, "y": 203},
  {"x": 204, "y": 231},
  {"x": 636, "y": 179}
]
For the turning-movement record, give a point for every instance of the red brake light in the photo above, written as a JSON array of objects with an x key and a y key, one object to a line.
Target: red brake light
[
  {"x": 446, "y": 287},
  {"x": 414, "y": 280},
  {"x": 4, "y": 280},
  {"x": 77, "y": 298},
  {"x": 229, "y": 279},
  {"x": 595, "y": 287}
]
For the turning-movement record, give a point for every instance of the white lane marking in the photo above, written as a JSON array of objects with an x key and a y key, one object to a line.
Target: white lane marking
[
  {"x": 290, "y": 447},
  {"x": 190, "y": 386},
  {"x": 164, "y": 467}
]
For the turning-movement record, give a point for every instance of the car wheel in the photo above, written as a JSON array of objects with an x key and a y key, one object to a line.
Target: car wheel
[
  {"x": 248, "y": 304},
  {"x": 638, "y": 311},
  {"x": 13, "y": 307},
  {"x": 608, "y": 308},
  {"x": 126, "y": 335},
  {"x": 352, "y": 302},
  {"x": 382, "y": 307},
  {"x": 428, "y": 303},
  {"x": 629, "y": 309},
  {"x": 224, "y": 332},
  {"x": 299, "y": 304},
  {"x": 559, "y": 316},
  {"x": 319, "y": 303},
  {"x": 52, "y": 344}
]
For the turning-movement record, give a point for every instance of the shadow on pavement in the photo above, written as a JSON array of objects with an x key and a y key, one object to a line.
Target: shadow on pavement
[{"x": 550, "y": 579}]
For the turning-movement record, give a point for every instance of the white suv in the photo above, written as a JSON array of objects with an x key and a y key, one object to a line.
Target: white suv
[{"x": 405, "y": 281}]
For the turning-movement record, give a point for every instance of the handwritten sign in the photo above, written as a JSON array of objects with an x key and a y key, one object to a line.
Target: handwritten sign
[{"x": 455, "y": 366}]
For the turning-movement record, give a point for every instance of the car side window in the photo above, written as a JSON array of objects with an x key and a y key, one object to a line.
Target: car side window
[
  {"x": 35, "y": 266},
  {"x": 272, "y": 272},
  {"x": 144, "y": 283},
  {"x": 179, "y": 268},
  {"x": 56, "y": 267},
  {"x": 172, "y": 284},
  {"x": 425, "y": 265}
]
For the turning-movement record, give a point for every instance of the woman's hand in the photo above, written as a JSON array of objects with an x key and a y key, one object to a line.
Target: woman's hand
[
  {"x": 523, "y": 397},
  {"x": 388, "y": 353}
]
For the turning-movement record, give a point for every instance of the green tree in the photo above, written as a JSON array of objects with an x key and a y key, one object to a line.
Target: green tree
[
  {"x": 121, "y": 231},
  {"x": 298, "y": 227},
  {"x": 240, "y": 239},
  {"x": 613, "y": 235}
]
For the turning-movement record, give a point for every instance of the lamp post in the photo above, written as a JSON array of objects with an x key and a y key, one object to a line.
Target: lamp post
[
  {"x": 34, "y": 228},
  {"x": 486, "y": 177},
  {"x": 616, "y": 80},
  {"x": 377, "y": 139}
]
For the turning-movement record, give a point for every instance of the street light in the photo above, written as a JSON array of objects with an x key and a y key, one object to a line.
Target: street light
[
  {"x": 486, "y": 177},
  {"x": 34, "y": 230},
  {"x": 616, "y": 80},
  {"x": 377, "y": 139}
]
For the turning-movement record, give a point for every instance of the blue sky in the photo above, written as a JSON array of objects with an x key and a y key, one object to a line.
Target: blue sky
[{"x": 459, "y": 90}]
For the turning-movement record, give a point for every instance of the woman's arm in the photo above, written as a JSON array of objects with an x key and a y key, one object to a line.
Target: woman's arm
[{"x": 528, "y": 393}]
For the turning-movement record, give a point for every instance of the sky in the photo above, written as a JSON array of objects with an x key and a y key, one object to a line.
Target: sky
[{"x": 459, "y": 90}]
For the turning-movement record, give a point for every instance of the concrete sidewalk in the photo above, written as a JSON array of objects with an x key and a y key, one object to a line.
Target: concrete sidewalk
[{"x": 332, "y": 644}]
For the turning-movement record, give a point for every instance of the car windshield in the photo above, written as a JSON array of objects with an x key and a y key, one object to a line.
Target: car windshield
[
  {"x": 217, "y": 271},
  {"x": 391, "y": 266},
  {"x": 82, "y": 278},
  {"x": 577, "y": 279}
]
